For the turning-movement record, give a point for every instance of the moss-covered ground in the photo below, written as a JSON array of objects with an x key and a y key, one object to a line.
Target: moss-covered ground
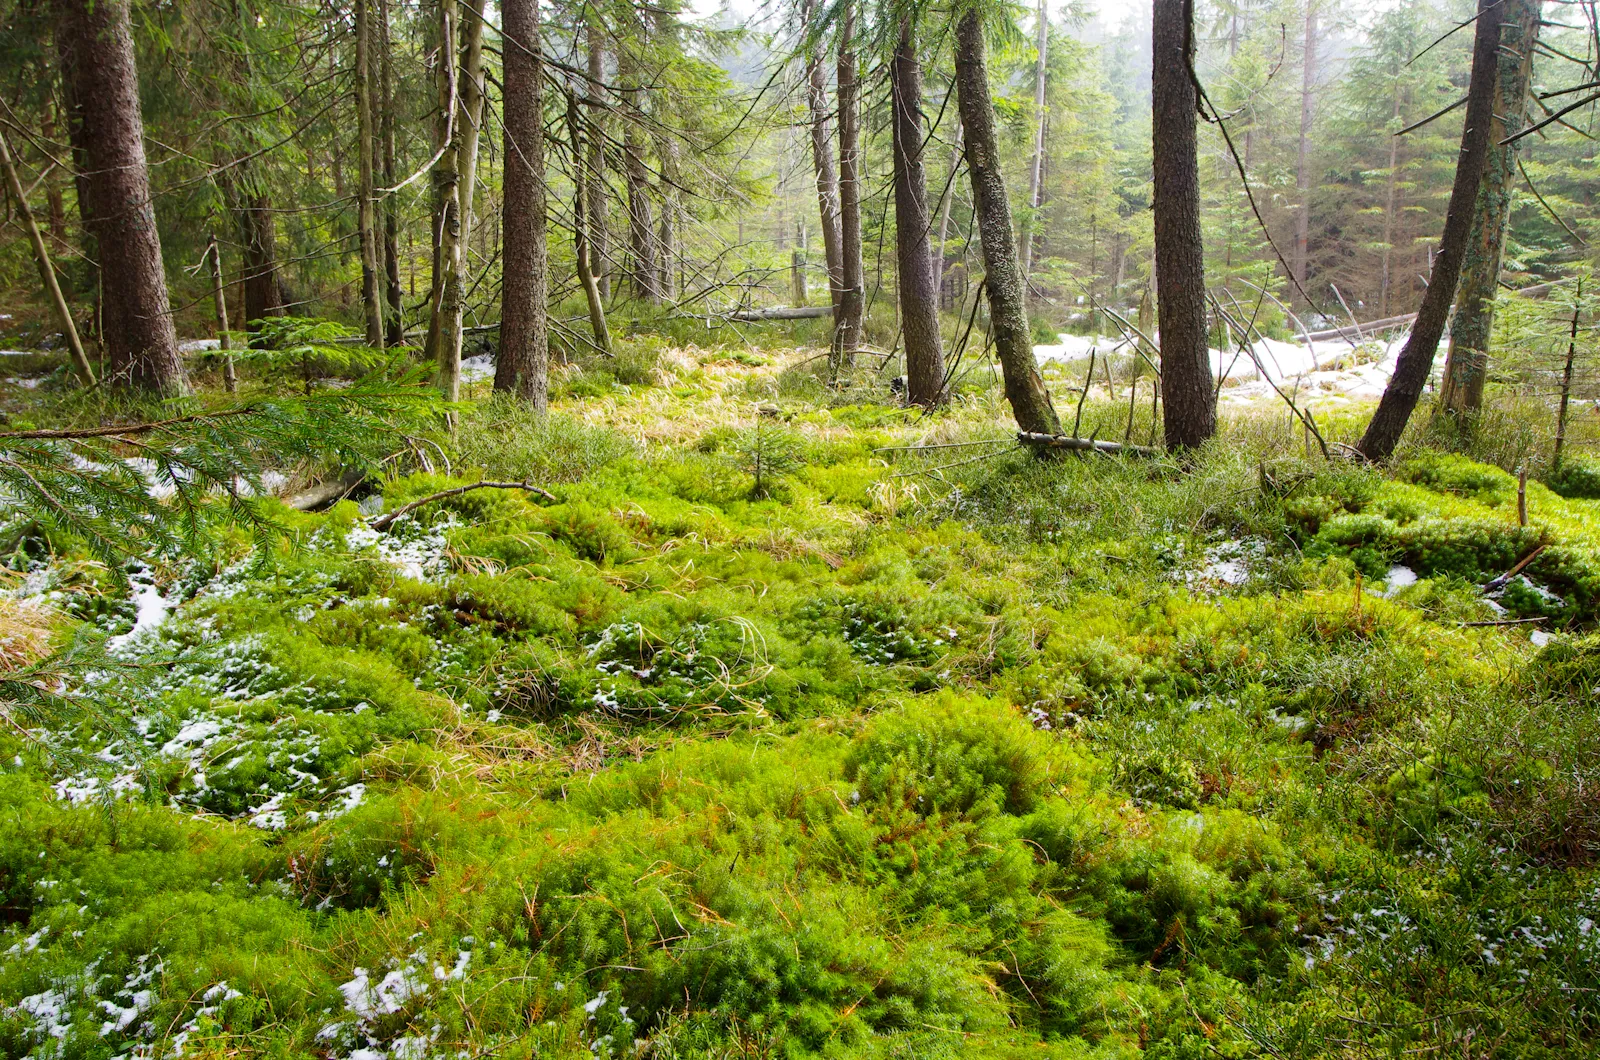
[{"x": 767, "y": 738}]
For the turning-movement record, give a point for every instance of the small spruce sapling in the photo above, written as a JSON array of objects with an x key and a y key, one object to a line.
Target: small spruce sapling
[{"x": 767, "y": 452}]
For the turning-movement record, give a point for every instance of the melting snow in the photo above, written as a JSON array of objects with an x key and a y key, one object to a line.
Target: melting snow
[
  {"x": 1323, "y": 370},
  {"x": 1398, "y": 578}
]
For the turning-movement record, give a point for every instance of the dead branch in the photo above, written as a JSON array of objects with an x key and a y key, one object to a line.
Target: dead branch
[{"x": 383, "y": 522}]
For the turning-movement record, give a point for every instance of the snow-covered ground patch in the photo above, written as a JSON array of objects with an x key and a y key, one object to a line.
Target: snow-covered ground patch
[{"x": 1330, "y": 371}]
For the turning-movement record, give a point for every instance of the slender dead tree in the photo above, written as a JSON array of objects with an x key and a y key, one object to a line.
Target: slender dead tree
[
  {"x": 594, "y": 175},
  {"x": 444, "y": 318},
  {"x": 366, "y": 223},
  {"x": 636, "y": 177},
  {"x": 1036, "y": 168},
  {"x": 1416, "y": 357},
  {"x": 1189, "y": 413},
  {"x": 1002, "y": 281},
  {"x": 394, "y": 323},
  {"x": 576, "y": 132},
  {"x": 470, "y": 121},
  {"x": 41, "y": 259},
  {"x": 1466, "y": 364},
  {"x": 219, "y": 305},
  {"x": 142, "y": 349},
  {"x": 852, "y": 274},
  {"x": 919, "y": 292},
  {"x": 822, "y": 156},
  {"x": 1302, "y": 170},
  {"x": 522, "y": 368}
]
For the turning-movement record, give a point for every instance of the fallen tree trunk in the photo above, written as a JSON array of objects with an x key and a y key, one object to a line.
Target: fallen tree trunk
[
  {"x": 325, "y": 493},
  {"x": 1359, "y": 330},
  {"x": 1067, "y": 441},
  {"x": 383, "y": 522},
  {"x": 804, "y": 312}
]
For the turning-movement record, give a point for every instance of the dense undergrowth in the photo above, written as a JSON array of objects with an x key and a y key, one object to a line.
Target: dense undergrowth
[{"x": 766, "y": 738}]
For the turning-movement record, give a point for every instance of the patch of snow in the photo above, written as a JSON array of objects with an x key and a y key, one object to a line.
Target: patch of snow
[
  {"x": 388, "y": 996},
  {"x": 49, "y": 1011},
  {"x": 151, "y": 610},
  {"x": 1399, "y": 577},
  {"x": 1320, "y": 372}
]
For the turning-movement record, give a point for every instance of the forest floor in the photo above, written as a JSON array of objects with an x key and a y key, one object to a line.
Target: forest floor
[{"x": 780, "y": 732}]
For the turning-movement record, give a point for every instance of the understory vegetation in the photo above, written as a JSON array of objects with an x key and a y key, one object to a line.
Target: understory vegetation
[{"x": 768, "y": 737}]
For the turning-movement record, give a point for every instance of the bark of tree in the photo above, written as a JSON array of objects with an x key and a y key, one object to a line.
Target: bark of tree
[
  {"x": 1189, "y": 414},
  {"x": 822, "y": 162},
  {"x": 1467, "y": 363},
  {"x": 1003, "y": 283},
  {"x": 143, "y": 350},
  {"x": 522, "y": 367},
  {"x": 919, "y": 292},
  {"x": 595, "y": 170},
  {"x": 646, "y": 274},
  {"x": 394, "y": 324},
  {"x": 852, "y": 273},
  {"x": 1302, "y": 172},
  {"x": 366, "y": 224},
  {"x": 41, "y": 258},
  {"x": 1416, "y": 358},
  {"x": 1036, "y": 169}
]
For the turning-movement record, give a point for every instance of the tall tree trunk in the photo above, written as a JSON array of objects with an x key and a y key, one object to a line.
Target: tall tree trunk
[
  {"x": 1036, "y": 169},
  {"x": 1302, "y": 171},
  {"x": 1003, "y": 283},
  {"x": 1189, "y": 413},
  {"x": 395, "y": 321},
  {"x": 72, "y": 113},
  {"x": 41, "y": 257},
  {"x": 143, "y": 351},
  {"x": 1416, "y": 358},
  {"x": 595, "y": 170},
  {"x": 258, "y": 227},
  {"x": 822, "y": 162},
  {"x": 522, "y": 367},
  {"x": 580, "y": 239},
  {"x": 641, "y": 229},
  {"x": 919, "y": 292},
  {"x": 1467, "y": 363},
  {"x": 444, "y": 320},
  {"x": 367, "y": 229},
  {"x": 852, "y": 274}
]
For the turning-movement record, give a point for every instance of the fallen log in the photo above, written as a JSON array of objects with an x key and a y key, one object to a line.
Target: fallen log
[
  {"x": 1067, "y": 441},
  {"x": 323, "y": 494},
  {"x": 1359, "y": 331},
  {"x": 383, "y": 522},
  {"x": 805, "y": 312}
]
